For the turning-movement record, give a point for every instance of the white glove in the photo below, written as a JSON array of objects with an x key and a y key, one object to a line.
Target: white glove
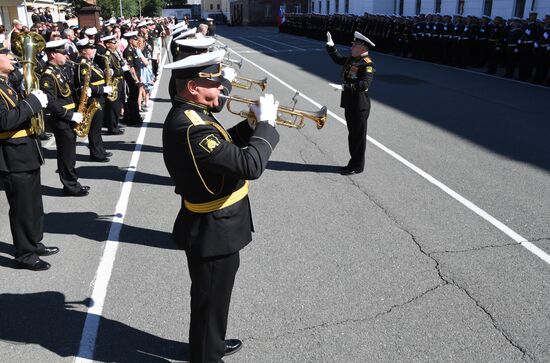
[
  {"x": 107, "y": 90},
  {"x": 125, "y": 68},
  {"x": 330, "y": 43},
  {"x": 89, "y": 92},
  {"x": 229, "y": 73},
  {"x": 111, "y": 71},
  {"x": 337, "y": 87},
  {"x": 266, "y": 109},
  {"x": 77, "y": 117},
  {"x": 41, "y": 97}
]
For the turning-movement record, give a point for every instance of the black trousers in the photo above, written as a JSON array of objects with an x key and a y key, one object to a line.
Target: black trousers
[
  {"x": 112, "y": 114},
  {"x": 357, "y": 136},
  {"x": 65, "y": 139},
  {"x": 131, "y": 108},
  {"x": 97, "y": 150},
  {"x": 24, "y": 192},
  {"x": 211, "y": 286}
]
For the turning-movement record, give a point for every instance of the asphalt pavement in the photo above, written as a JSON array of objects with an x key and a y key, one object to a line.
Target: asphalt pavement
[{"x": 437, "y": 252}]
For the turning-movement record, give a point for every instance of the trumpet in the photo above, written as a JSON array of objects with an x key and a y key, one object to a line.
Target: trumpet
[
  {"x": 297, "y": 117},
  {"x": 228, "y": 62},
  {"x": 246, "y": 83}
]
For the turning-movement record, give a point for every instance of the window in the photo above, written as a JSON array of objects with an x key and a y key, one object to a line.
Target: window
[
  {"x": 313, "y": 6},
  {"x": 488, "y": 7},
  {"x": 320, "y": 10},
  {"x": 268, "y": 11},
  {"x": 418, "y": 6},
  {"x": 520, "y": 7},
  {"x": 218, "y": 6},
  {"x": 401, "y": 7},
  {"x": 460, "y": 7},
  {"x": 437, "y": 6},
  {"x": 346, "y": 6},
  {"x": 336, "y": 5},
  {"x": 211, "y": 6},
  {"x": 328, "y": 6},
  {"x": 297, "y": 8}
]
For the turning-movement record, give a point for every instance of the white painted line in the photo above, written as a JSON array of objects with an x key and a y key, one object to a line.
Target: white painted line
[
  {"x": 105, "y": 268},
  {"x": 468, "y": 204},
  {"x": 261, "y": 45},
  {"x": 285, "y": 44}
]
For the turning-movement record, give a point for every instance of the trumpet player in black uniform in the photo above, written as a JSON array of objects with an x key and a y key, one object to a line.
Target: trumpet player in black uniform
[
  {"x": 98, "y": 88},
  {"x": 210, "y": 167},
  {"x": 20, "y": 160},
  {"x": 357, "y": 75},
  {"x": 56, "y": 83},
  {"x": 111, "y": 60}
]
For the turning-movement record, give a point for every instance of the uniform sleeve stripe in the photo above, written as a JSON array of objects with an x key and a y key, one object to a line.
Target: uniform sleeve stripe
[{"x": 261, "y": 138}]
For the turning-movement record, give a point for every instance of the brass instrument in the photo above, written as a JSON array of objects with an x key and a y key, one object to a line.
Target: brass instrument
[
  {"x": 319, "y": 117},
  {"x": 232, "y": 62},
  {"x": 83, "y": 128},
  {"x": 110, "y": 80},
  {"x": 28, "y": 44},
  {"x": 246, "y": 83}
]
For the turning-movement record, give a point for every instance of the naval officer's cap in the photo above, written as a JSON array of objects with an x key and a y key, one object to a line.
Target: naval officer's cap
[
  {"x": 186, "y": 33},
  {"x": 109, "y": 39},
  {"x": 57, "y": 46},
  {"x": 205, "y": 65},
  {"x": 131, "y": 35},
  {"x": 196, "y": 43},
  {"x": 361, "y": 39},
  {"x": 84, "y": 43}
]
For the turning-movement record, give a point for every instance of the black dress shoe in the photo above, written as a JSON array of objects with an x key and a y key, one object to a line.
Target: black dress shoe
[
  {"x": 350, "y": 171},
  {"x": 108, "y": 154},
  {"x": 45, "y": 136},
  {"x": 39, "y": 265},
  {"x": 116, "y": 132},
  {"x": 100, "y": 160},
  {"x": 232, "y": 346},
  {"x": 85, "y": 187},
  {"x": 48, "y": 251},
  {"x": 79, "y": 193}
]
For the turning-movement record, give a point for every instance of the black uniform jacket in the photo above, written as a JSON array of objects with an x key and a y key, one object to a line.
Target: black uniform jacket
[
  {"x": 357, "y": 76},
  {"x": 17, "y": 153},
  {"x": 55, "y": 83},
  {"x": 207, "y": 163},
  {"x": 97, "y": 79}
]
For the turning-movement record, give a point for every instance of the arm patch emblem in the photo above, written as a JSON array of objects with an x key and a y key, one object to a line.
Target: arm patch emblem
[
  {"x": 210, "y": 142},
  {"x": 370, "y": 69}
]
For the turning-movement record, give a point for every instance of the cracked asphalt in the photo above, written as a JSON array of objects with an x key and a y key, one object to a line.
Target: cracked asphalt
[{"x": 379, "y": 267}]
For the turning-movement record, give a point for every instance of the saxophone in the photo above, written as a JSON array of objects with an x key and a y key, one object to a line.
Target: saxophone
[
  {"x": 82, "y": 129},
  {"x": 110, "y": 80},
  {"x": 28, "y": 44}
]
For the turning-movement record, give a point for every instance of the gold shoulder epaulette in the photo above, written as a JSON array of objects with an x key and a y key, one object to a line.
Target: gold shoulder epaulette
[
  {"x": 107, "y": 53},
  {"x": 367, "y": 59},
  {"x": 194, "y": 117},
  {"x": 48, "y": 71}
]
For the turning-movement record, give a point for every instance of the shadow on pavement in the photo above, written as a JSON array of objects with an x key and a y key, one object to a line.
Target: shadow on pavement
[
  {"x": 92, "y": 226},
  {"x": 316, "y": 168},
  {"x": 46, "y": 319}
]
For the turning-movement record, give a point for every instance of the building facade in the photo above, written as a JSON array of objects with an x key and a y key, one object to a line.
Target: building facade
[
  {"x": 492, "y": 8},
  {"x": 22, "y": 11},
  {"x": 263, "y": 12}
]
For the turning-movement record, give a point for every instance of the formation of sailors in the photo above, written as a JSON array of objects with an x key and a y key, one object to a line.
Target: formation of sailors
[{"x": 516, "y": 48}]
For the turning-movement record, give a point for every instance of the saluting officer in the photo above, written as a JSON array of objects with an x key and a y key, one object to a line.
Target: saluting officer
[
  {"x": 20, "y": 160},
  {"x": 85, "y": 66},
  {"x": 211, "y": 167},
  {"x": 357, "y": 75},
  {"x": 63, "y": 116},
  {"x": 132, "y": 78}
]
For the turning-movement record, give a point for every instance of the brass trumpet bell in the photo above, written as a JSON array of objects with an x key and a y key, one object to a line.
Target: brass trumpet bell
[
  {"x": 247, "y": 83},
  {"x": 286, "y": 116}
]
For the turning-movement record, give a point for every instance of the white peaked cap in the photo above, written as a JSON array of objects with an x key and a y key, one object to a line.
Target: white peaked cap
[
  {"x": 91, "y": 31},
  {"x": 199, "y": 60},
  {"x": 361, "y": 37},
  {"x": 186, "y": 33},
  {"x": 199, "y": 43},
  {"x": 55, "y": 43}
]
